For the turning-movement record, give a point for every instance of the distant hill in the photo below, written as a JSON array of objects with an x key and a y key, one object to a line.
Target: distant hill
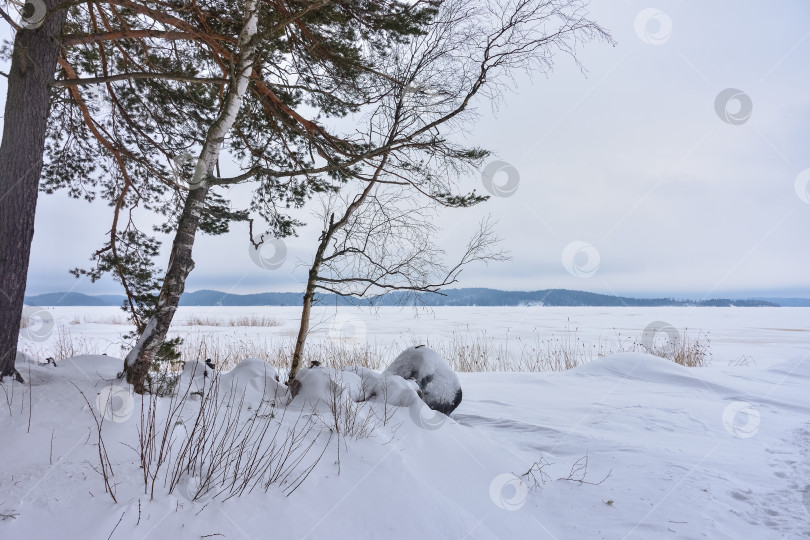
[
  {"x": 788, "y": 302},
  {"x": 74, "y": 299},
  {"x": 451, "y": 297}
]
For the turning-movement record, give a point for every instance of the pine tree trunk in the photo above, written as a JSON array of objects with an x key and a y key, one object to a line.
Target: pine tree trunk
[
  {"x": 33, "y": 64},
  {"x": 142, "y": 356}
]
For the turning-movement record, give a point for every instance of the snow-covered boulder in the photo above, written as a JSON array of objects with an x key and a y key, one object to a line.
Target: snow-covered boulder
[
  {"x": 439, "y": 385},
  {"x": 321, "y": 385},
  {"x": 384, "y": 387},
  {"x": 256, "y": 378},
  {"x": 369, "y": 379},
  {"x": 194, "y": 376}
]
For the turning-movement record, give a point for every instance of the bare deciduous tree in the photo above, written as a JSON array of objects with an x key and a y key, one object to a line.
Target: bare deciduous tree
[{"x": 381, "y": 238}]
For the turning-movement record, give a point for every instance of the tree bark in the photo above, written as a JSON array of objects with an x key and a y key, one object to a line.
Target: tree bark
[
  {"x": 142, "y": 356},
  {"x": 312, "y": 280},
  {"x": 309, "y": 297},
  {"x": 33, "y": 65}
]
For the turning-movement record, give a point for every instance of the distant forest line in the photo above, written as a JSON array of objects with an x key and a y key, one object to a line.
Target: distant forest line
[{"x": 450, "y": 297}]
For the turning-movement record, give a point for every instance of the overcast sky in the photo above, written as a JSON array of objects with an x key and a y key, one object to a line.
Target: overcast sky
[{"x": 632, "y": 179}]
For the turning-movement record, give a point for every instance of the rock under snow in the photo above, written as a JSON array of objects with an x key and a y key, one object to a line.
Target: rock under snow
[
  {"x": 322, "y": 385},
  {"x": 256, "y": 377},
  {"x": 384, "y": 387},
  {"x": 440, "y": 386}
]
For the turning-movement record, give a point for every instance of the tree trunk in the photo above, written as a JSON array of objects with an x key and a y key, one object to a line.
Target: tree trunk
[
  {"x": 312, "y": 280},
  {"x": 309, "y": 296},
  {"x": 33, "y": 64},
  {"x": 142, "y": 356}
]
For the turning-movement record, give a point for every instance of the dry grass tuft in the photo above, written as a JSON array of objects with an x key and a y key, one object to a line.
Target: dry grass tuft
[
  {"x": 463, "y": 351},
  {"x": 241, "y": 321}
]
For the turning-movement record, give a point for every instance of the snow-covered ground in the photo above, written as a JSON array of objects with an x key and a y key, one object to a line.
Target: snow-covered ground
[
  {"x": 672, "y": 452},
  {"x": 762, "y": 335}
]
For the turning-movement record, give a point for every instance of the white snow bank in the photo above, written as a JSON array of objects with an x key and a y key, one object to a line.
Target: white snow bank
[{"x": 719, "y": 452}]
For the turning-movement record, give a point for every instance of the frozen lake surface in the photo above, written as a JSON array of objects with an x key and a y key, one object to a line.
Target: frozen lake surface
[
  {"x": 627, "y": 446},
  {"x": 762, "y": 335}
]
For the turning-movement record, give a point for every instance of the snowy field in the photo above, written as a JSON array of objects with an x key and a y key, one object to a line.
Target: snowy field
[
  {"x": 759, "y": 335},
  {"x": 627, "y": 446}
]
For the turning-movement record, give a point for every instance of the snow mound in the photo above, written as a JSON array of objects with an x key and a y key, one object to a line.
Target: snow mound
[
  {"x": 252, "y": 377},
  {"x": 632, "y": 366},
  {"x": 441, "y": 389},
  {"x": 385, "y": 387},
  {"x": 316, "y": 386},
  {"x": 255, "y": 377},
  {"x": 321, "y": 386},
  {"x": 648, "y": 368}
]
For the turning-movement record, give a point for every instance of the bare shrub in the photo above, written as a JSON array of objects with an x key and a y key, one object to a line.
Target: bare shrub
[
  {"x": 64, "y": 345},
  {"x": 105, "y": 469},
  {"x": 349, "y": 418},
  {"x": 744, "y": 360},
  {"x": 227, "y": 447},
  {"x": 537, "y": 476}
]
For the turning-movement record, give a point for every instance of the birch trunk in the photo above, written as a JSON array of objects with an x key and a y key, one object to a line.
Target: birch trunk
[
  {"x": 142, "y": 356},
  {"x": 25, "y": 121}
]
